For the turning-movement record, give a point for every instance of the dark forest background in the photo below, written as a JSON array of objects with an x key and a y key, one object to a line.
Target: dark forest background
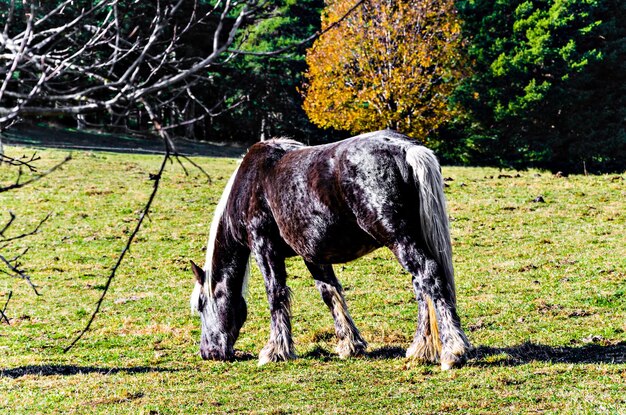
[{"x": 545, "y": 84}]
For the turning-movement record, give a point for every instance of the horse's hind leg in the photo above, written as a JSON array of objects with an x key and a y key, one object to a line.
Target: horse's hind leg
[
  {"x": 350, "y": 341},
  {"x": 426, "y": 345},
  {"x": 280, "y": 345},
  {"x": 437, "y": 302}
]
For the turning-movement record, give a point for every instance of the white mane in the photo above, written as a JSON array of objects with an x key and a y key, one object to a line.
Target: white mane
[{"x": 217, "y": 218}]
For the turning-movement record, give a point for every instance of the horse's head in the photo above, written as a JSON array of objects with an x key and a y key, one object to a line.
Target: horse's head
[
  {"x": 221, "y": 321},
  {"x": 221, "y": 314}
]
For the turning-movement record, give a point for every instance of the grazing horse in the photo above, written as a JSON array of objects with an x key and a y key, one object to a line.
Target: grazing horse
[{"x": 329, "y": 204}]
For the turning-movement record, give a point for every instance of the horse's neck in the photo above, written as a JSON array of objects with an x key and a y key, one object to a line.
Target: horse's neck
[{"x": 229, "y": 261}]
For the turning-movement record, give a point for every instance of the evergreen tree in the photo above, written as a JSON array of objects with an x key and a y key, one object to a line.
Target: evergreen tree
[
  {"x": 268, "y": 85},
  {"x": 549, "y": 83}
]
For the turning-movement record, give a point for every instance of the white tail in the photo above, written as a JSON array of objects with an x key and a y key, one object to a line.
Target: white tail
[{"x": 433, "y": 214}]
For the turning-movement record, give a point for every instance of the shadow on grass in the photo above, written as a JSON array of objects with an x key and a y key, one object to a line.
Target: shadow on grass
[
  {"x": 530, "y": 352},
  {"x": 508, "y": 356},
  {"x": 483, "y": 356},
  {"x": 70, "y": 370},
  {"x": 385, "y": 352}
]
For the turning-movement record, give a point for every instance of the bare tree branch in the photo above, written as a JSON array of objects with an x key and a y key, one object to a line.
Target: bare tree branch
[
  {"x": 8, "y": 224},
  {"x": 28, "y": 163},
  {"x": 4, "y": 309},
  {"x": 93, "y": 64},
  {"x": 15, "y": 267},
  {"x": 23, "y": 235},
  {"x": 303, "y": 42},
  {"x": 19, "y": 183}
]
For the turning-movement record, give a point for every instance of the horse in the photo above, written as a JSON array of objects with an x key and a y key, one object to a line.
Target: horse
[{"x": 329, "y": 204}]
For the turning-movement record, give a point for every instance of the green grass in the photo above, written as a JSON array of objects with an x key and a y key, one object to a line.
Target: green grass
[{"x": 541, "y": 293}]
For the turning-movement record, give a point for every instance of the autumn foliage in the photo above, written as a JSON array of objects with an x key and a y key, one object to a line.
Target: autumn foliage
[{"x": 389, "y": 64}]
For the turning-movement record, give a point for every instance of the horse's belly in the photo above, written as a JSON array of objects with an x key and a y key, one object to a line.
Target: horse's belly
[{"x": 329, "y": 243}]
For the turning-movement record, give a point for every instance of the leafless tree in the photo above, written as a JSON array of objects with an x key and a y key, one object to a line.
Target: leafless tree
[{"x": 125, "y": 59}]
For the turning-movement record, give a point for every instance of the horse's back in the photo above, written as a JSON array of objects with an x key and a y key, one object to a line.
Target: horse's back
[{"x": 334, "y": 202}]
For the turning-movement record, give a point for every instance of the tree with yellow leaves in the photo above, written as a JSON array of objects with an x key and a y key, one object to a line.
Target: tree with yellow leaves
[{"x": 388, "y": 64}]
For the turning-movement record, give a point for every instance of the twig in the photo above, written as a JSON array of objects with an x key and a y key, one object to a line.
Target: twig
[
  {"x": 2, "y": 313},
  {"x": 19, "y": 184},
  {"x": 19, "y": 273},
  {"x": 16, "y": 162},
  {"x": 196, "y": 165},
  {"x": 8, "y": 224},
  {"x": 24, "y": 235}
]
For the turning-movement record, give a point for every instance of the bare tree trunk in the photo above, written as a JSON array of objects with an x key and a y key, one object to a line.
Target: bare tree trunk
[{"x": 80, "y": 122}]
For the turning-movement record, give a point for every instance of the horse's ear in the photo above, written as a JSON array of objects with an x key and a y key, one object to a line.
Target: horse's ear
[{"x": 198, "y": 272}]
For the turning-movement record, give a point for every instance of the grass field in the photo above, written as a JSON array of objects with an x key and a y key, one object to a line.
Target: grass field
[{"x": 541, "y": 292}]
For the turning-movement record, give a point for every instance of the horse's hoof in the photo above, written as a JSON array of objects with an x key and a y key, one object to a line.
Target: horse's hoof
[
  {"x": 458, "y": 361},
  {"x": 216, "y": 354},
  {"x": 346, "y": 349},
  {"x": 424, "y": 350},
  {"x": 272, "y": 353},
  {"x": 446, "y": 365},
  {"x": 263, "y": 360}
]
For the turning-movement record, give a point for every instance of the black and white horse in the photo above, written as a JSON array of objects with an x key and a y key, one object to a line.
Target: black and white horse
[{"x": 330, "y": 204}]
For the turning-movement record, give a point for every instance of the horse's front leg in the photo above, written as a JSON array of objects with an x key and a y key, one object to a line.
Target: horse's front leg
[
  {"x": 350, "y": 341},
  {"x": 280, "y": 345}
]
